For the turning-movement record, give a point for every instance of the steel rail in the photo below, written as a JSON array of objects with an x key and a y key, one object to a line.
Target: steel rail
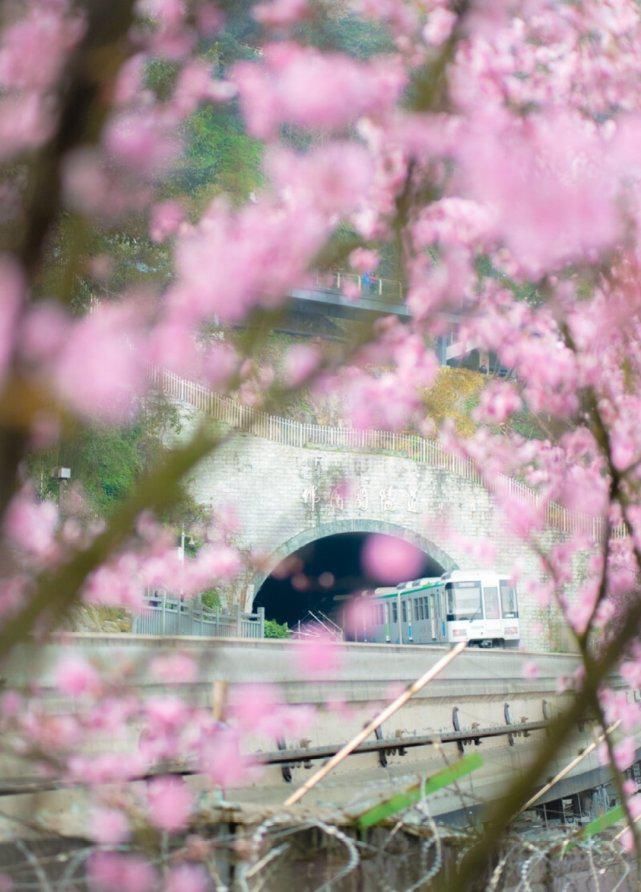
[{"x": 301, "y": 754}]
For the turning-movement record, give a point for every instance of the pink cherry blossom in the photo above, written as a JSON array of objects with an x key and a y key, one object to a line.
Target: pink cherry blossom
[
  {"x": 170, "y": 803},
  {"x": 109, "y": 826},
  {"x": 439, "y": 26},
  {"x": 187, "y": 878},
  {"x": 387, "y": 559},
  {"x": 166, "y": 218},
  {"x": 174, "y": 668},
  {"x": 300, "y": 361},
  {"x": 281, "y": 12},
  {"x": 363, "y": 260},
  {"x": 101, "y": 366},
  {"x": 624, "y": 753},
  {"x": 301, "y": 86},
  {"x": 359, "y": 617},
  {"x": 31, "y": 525},
  {"x": 256, "y": 707},
  {"x": 113, "y": 872},
  {"x": 318, "y": 656},
  {"x": 497, "y": 403},
  {"x": 76, "y": 677},
  {"x": 221, "y": 758},
  {"x": 33, "y": 49}
]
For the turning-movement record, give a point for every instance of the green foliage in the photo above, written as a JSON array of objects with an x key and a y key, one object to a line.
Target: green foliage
[
  {"x": 525, "y": 291},
  {"x": 603, "y": 822},
  {"x": 274, "y": 629},
  {"x": 210, "y": 599},
  {"x": 412, "y": 795},
  {"x": 347, "y": 33},
  {"x": 220, "y": 157},
  {"x": 107, "y": 462}
]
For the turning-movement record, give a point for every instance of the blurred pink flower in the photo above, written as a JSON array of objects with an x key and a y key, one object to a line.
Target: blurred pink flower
[
  {"x": 300, "y": 361},
  {"x": 319, "y": 655},
  {"x": 390, "y": 560},
  {"x": 142, "y": 142},
  {"x": 187, "y": 878},
  {"x": 439, "y": 26},
  {"x": 174, "y": 668},
  {"x": 33, "y": 49},
  {"x": 31, "y": 525},
  {"x": 531, "y": 669},
  {"x": 101, "y": 368},
  {"x": 255, "y": 707},
  {"x": 498, "y": 402},
  {"x": 113, "y": 872},
  {"x": 360, "y": 616},
  {"x": 363, "y": 260},
  {"x": 301, "y": 86},
  {"x": 624, "y": 753},
  {"x": 76, "y": 677},
  {"x": 109, "y": 826},
  {"x": 221, "y": 758},
  {"x": 170, "y": 803},
  {"x": 277, "y": 13},
  {"x": 166, "y": 217}
]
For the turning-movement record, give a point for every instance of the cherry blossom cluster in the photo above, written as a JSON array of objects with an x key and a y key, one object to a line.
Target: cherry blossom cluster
[{"x": 492, "y": 151}]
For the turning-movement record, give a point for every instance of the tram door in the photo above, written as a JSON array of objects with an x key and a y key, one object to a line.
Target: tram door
[{"x": 433, "y": 607}]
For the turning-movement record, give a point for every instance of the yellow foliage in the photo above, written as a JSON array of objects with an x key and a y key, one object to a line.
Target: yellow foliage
[{"x": 454, "y": 396}]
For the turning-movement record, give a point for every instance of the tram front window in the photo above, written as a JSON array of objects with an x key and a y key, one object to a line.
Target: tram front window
[
  {"x": 491, "y": 600},
  {"x": 464, "y": 600},
  {"x": 509, "y": 606}
]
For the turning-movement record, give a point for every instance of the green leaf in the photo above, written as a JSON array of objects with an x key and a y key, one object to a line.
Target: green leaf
[
  {"x": 603, "y": 821},
  {"x": 409, "y": 797}
]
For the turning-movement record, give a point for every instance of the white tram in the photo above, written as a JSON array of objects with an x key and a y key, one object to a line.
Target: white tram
[{"x": 479, "y": 606}]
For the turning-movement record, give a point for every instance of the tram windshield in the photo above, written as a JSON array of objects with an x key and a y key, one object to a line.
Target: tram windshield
[
  {"x": 509, "y": 605},
  {"x": 464, "y": 600},
  {"x": 491, "y": 601}
]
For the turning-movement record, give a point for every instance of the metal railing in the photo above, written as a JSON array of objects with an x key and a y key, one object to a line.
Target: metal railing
[
  {"x": 372, "y": 286},
  {"x": 165, "y": 614}
]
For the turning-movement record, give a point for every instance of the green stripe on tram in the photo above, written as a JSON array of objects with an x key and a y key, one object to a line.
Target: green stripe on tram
[{"x": 408, "y": 591}]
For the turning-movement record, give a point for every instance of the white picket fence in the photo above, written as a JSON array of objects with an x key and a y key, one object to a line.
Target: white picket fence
[{"x": 304, "y": 434}]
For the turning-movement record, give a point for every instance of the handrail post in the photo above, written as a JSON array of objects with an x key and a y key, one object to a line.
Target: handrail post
[{"x": 261, "y": 621}]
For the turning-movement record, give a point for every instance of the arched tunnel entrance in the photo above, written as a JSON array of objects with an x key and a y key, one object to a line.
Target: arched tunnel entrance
[{"x": 320, "y": 576}]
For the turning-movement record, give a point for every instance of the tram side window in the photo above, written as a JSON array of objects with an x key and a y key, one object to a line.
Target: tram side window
[
  {"x": 509, "y": 605},
  {"x": 394, "y": 613},
  {"x": 404, "y": 610}
]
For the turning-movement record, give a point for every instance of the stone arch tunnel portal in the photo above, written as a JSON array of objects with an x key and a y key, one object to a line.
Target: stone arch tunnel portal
[{"x": 320, "y": 576}]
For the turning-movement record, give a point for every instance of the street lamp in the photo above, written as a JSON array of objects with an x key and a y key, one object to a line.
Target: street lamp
[{"x": 61, "y": 475}]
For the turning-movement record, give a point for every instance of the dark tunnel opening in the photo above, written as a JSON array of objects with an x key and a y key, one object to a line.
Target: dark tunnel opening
[{"x": 320, "y": 577}]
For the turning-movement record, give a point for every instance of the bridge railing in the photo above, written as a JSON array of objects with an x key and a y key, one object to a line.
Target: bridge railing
[
  {"x": 419, "y": 449},
  {"x": 166, "y": 614},
  {"x": 374, "y": 287}
]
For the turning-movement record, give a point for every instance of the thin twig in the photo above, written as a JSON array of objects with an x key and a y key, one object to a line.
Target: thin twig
[
  {"x": 376, "y": 722},
  {"x": 569, "y": 767}
]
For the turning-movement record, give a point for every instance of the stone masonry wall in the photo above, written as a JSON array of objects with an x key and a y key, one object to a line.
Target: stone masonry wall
[{"x": 287, "y": 496}]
